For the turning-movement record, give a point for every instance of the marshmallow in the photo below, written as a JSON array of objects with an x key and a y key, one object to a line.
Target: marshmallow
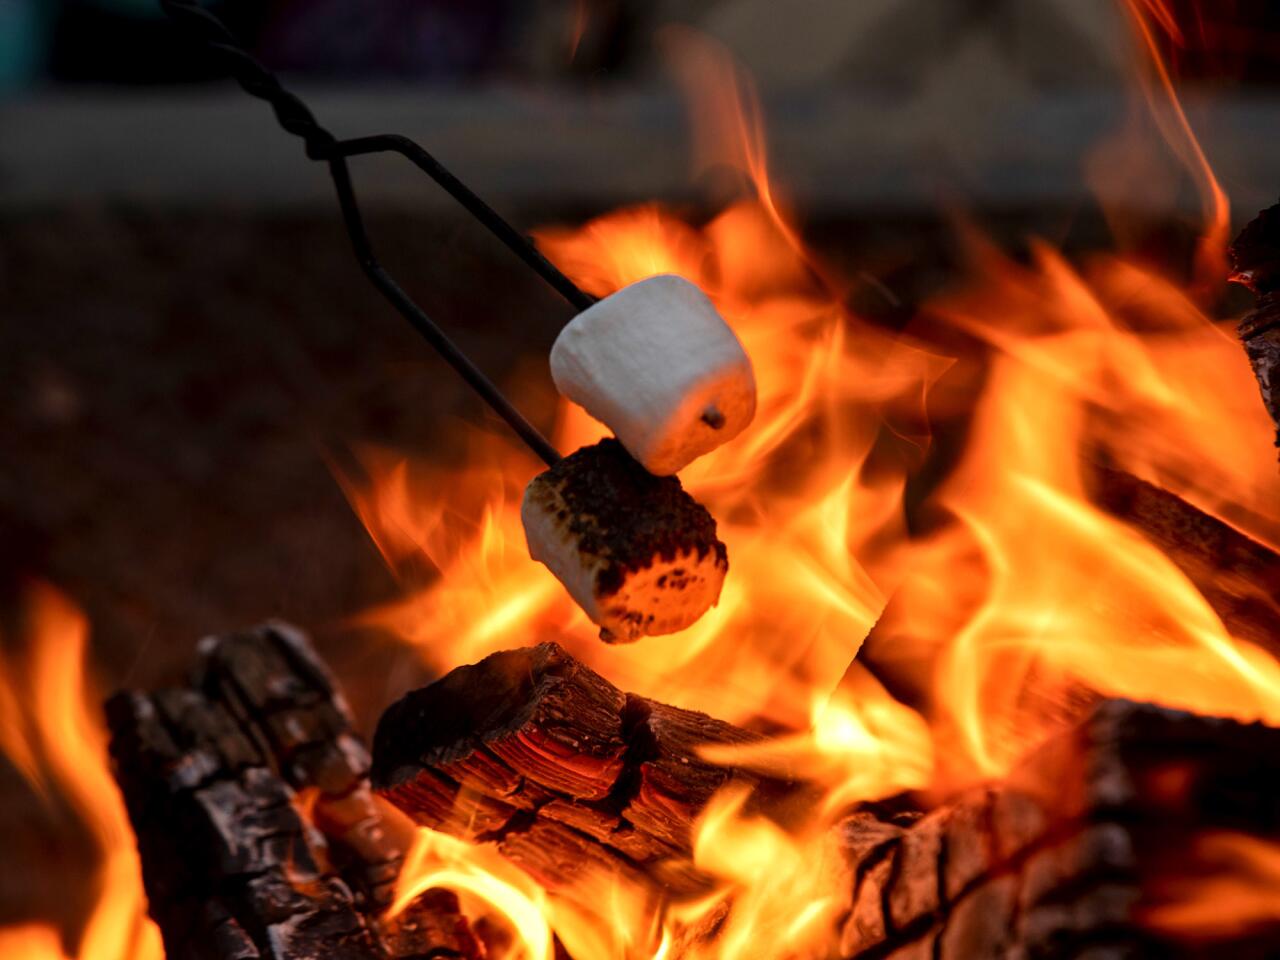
[
  {"x": 656, "y": 364},
  {"x": 636, "y": 552}
]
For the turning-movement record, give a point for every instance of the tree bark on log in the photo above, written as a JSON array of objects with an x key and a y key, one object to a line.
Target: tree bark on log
[
  {"x": 258, "y": 834},
  {"x": 534, "y": 751},
  {"x": 1072, "y": 855}
]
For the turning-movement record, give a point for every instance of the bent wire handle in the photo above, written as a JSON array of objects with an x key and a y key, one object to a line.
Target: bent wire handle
[
  {"x": 295, "y": 117},
  {"x": 427, "y": 327},
  {"x": 515, "y": 241}
]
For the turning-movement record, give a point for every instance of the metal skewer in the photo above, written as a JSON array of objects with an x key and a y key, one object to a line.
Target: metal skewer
[{"x": 295, "y": 117}]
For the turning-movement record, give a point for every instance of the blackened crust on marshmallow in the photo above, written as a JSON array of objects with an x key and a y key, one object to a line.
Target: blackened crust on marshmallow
[{"x": 618, "y": 511}]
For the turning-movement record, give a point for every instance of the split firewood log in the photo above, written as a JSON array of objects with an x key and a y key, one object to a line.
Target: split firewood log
[
  {"x": 535, "y": 751},
  {"x": 258, "y": 834}
]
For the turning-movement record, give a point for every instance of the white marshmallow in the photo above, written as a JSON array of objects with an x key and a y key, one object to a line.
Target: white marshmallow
[{"x": 659, "y": 366}]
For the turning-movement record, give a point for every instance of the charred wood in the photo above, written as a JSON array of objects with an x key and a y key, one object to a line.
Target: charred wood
[
  {"x": 258, "y": 834},
  {"x": 1238, "y": 576},
  {"x": 1255, "y": 257},
  {"x": 534, "y": 751},
  {"x": 1070, "y": 856},
  {"x": 1073, "y": 854},
  {"x": 286, "y": 701}
]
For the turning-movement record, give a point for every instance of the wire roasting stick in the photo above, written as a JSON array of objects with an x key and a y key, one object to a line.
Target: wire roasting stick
[
  {"x": 654, "y": 362},
  {"x": 295, "y": 117}
]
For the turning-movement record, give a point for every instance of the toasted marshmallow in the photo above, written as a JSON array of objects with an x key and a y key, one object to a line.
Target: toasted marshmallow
[
  {"x": 660, "y": 368},
  {"x": 637, "y": 553}
]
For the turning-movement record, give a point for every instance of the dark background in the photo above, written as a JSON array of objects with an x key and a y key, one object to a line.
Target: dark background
[
  {"x": 186, "y": 341},
  {"x": 127, "y": 41}
]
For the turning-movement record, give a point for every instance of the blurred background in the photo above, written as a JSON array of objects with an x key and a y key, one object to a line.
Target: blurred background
[{"x": 187, "y": 344}]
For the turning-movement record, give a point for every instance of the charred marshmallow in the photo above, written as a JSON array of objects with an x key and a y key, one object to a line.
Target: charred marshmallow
[
  {"x": 636, "y": 552},
  {"x": 657, "y": 365}
]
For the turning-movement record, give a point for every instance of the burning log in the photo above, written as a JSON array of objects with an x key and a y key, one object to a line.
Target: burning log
[
  {"x": 1081, "y": 848},
  {"x": 218, "y": 777},
  {"x": 638, "y": 554},
  {"x": 1255, "y": 256},
  {"x": 534, "y": 751},
  {"x": 1075, "y": 854},
  {"x": 1239, "y": 577}
]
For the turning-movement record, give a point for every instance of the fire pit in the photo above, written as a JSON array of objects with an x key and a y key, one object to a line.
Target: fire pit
[{"x": 994, "y": 671}]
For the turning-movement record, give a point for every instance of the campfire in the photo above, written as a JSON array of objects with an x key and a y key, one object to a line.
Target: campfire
[{"x": 994, "y": 670}]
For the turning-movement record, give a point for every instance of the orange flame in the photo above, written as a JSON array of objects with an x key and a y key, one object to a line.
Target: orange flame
[
  {"x": 1023, "y": 600},
  {"x": 1022, "y": 597},
  {"x": 478, "y": 874},
  {"x": 783, "y": 890},
  {"x": 1074, "y": 599},
  {"x": 1231, "y": 886},
  {"x": 812, "y": 564},
  {"x": 53, "y": 735},
  {"x": 578, "y": 28},
  {"x": 798, "y": 602},
  {"x": 1166, "y": 109},
  {"x": 600, "y": 917}
]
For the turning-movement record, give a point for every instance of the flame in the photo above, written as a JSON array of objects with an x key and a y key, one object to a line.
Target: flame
[
  {"x": 1229, "y": 887},
  {"x": 861, "y": 744},
  {"x": 31, "y": 942},
  {"x": 784, "y": 890},
  {"x": 53, "y": 735},
  {"x": 1166, "y": 109},
  {"x": 833, "y": 392},
  {"x": 808, "y": 575},
  {"x": 799, "y": 600},
  {"x": 1073, "y": 598},
  {"x": 578, "y": 28},
  {"x": 479, "y": 874},
  {"x": 599, "y": 917},
  {"x": 1017, "y": 599}
]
